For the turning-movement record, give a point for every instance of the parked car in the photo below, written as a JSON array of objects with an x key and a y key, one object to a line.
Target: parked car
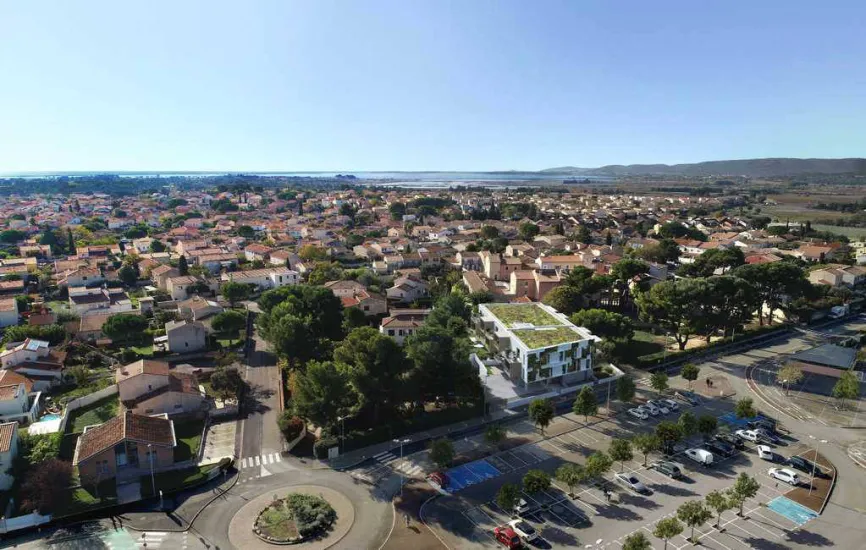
[
  {"x": 768, "y": 437},
  {"x": 806, "y": 466},
  {"x": 507, "y": 537},
  {"x": 701, "y": 456},
  {"x": 669, "y": 469},
  {"x": 652, "y": 409},
  {"x": 522, "y": 507},
  {"x": 632, "y": 482},
  {"x": 662, "y": 407},
  {"x": 671, "y": 404},
  {"x": 766, "y": 453},
  {"x": 767, "y": 423},
  {"x": 525, "y": 531},
  {"x": 689, "y": 397},
  {"x": 638, "y": 412},
  {"x": 731, "y": 440},
  {"x": 784, "y": 474},
  {"x": 748, "y": 435},
  {"x": 720, "y": 448}
]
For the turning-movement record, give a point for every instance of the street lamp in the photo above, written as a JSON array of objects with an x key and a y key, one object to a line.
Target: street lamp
[
  {"x": 814, "y": 463},
  {"x": 152, "y": 479},
  {"x": 401, "y": 442}
]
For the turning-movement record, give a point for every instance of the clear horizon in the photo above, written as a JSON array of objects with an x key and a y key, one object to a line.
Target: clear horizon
[{"x": 444, "y": 86}]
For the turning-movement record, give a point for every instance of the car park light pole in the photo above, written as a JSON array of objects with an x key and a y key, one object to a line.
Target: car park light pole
[
  {"x": 814, "y": 462},
  {"x": 401, "y": 442}
]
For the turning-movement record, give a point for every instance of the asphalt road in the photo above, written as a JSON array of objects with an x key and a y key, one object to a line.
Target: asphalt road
[{"x": 257, "y": 430}]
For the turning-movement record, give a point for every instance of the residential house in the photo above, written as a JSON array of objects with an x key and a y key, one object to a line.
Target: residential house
[
  {"x": 178, "y": 287},
  {"x": 14, "y": 397},
  {"x": 90, "y": 327},
  {"x": 370, "y": 303},
  {"x": 265, "y": 278},
  {"x": 185, "y": 336},
  {"x": 402, "y": 323},
  {"x": 198, "y": 308},
  {"x": 257, "y": 252},
  {"x": 161, "y": 274},
  {"x": 8, "y": 312},
  {"x": 127, "y": 445},
  {"x": 83, "y": 276},
  {"x": 36, "y": 360},
  {"x": 150, "y": 387},
  {"x": 407, "y": 290},
  {"x": 8, "y": 452},
  {"x": 86, "y": 301}
]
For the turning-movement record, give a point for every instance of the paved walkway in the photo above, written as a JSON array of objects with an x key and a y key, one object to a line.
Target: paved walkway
[
  {"x": 241, "y": 528},
  {"x": 352, "y": 458},
  {"x": 188, "y": 503},
  {"x": 414, "y": 534}
]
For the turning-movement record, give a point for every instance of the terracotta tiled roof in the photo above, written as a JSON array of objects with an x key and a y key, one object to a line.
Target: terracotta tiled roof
[
  {"x": 142, "y": 366},
  {"x": 11, "y": 377},
  {"x": 7, "y": 432},
  {"x": 140, "y": 428}
]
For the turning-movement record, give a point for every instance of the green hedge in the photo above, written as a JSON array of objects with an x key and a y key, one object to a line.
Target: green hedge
[{"x": 658, "y": 358}]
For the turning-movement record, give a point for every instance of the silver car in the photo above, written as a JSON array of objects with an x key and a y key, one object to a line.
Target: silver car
[
  {"x": 632, "y": 482},
  {"x": 661, "y": 406}
]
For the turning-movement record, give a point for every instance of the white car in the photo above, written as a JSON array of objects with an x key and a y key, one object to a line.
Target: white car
[
  {"x": 662, "y": 407},
  {"x": 701, "y": 456},
  {"x": 638, "y": 412},
  {"x": 748, "y": 435},
  {"x": 784, "y": 474},
  {"x": 766, "y": 453},
  {"x": 652, "y": 409},
  {"x": 671, "y": 404},
  {"x": 521, "y": 507},
  {"x": 525, "y": 531},
  {"x": 632, "y": 482}
]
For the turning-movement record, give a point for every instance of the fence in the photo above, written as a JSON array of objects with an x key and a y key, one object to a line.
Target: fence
[
  {"x": 22, "y": 522},
  {"x": 85, "y": 401}
]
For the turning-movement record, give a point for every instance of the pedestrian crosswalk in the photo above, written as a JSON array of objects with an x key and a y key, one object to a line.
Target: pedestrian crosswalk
[
  {"x": 120, "y": 539},
  {"x": 260, "y": 460},
  {"x": 388, "y": 458}
]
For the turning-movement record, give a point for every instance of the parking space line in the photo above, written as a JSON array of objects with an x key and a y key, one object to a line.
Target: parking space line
[
  {"x": 577, "y": 439},
  {"x": 707, "y": 535},
  {"x": 735, "y": 524},
  {"x": 518, "y": 458},
  {"x": 773, "y": 522},
  {"x": 558, "y": 450},
  {"x": 759, "y": 526}
]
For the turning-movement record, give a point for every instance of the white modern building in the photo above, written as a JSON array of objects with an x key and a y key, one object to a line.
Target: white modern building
[{"x": 537, "y": 344}]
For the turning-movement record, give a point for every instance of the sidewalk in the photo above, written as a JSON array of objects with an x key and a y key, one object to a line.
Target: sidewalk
[
  {"x": 179, "y": 519},
  {"x": 353, "y": 458}
]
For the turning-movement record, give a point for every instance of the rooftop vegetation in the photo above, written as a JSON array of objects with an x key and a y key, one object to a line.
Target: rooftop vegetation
[
  {"x": 512, "y": 314},
  {"x": 542, "y": 338}
]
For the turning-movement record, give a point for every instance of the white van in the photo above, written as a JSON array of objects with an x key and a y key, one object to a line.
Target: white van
[{"x": 701, "y": 456}]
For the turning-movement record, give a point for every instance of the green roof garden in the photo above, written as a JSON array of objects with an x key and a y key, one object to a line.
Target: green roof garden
[
  {"x": 515, "y": 314},
  {"x": 545, "y": 338}
]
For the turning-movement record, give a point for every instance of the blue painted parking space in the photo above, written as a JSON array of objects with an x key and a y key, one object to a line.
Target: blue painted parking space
[
  {"x": 795, "y": 512},
  {"x": 731, "y": 418},
  {"x": 470, "y": 474}
]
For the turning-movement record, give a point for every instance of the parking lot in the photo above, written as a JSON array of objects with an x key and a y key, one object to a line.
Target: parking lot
[
  {"x": 467, "y": 519},
  {"x": 219, "y": 441}
]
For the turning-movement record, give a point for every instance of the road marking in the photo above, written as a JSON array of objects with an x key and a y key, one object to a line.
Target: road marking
[{"x": 258, "y": 462}]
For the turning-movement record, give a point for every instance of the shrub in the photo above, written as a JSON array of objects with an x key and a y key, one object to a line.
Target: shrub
[
  {"x": 290, "y": 426},
  {"x": 320, "y": 447},
  {"x": 312, "y": 514}
]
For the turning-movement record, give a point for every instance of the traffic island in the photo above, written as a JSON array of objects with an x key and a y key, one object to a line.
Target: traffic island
[
  {"x": 822, "y": 484},
  {"x": 307, "y": 516}
]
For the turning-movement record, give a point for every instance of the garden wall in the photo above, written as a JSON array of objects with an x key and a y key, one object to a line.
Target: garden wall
[{"x": 85, "y": 401}]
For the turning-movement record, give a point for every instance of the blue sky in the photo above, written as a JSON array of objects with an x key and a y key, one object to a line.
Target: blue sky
[{"x": 417, "y": 85}]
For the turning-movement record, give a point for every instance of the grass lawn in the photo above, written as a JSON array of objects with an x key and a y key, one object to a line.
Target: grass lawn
[
  {"x": 188, "y": 435},
  {"x": 97, "y": 413},
  {"x": 174, "y": 480},
  {"x": 277, "y": 522},
  {"x": 644, "y": 343},
  {"x": 65, "y": 394},
  {"x": 84, "y": 499},
  {"x": 145, "y": 351},
  {"x": 229, "y": 342},
  {"x": 512, "y": 314},
  {"x": 542, "y": 338}
]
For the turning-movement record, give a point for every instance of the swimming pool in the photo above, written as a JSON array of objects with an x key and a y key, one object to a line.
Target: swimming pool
[{"x": 50, "y": 417}]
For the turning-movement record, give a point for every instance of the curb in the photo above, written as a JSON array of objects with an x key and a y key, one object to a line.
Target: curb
[
  {"x": 197, "y": 514},
  {"x": 421, "y": 518}
]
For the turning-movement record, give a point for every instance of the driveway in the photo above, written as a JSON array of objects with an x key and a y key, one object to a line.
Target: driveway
[{"x": 219, "y": 442}]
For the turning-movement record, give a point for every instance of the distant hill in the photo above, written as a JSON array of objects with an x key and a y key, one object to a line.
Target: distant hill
[{"x": 747, "y": 167}]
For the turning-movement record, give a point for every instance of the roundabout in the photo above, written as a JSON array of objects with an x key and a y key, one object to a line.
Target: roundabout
[{"x": 266, "y": 521}]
